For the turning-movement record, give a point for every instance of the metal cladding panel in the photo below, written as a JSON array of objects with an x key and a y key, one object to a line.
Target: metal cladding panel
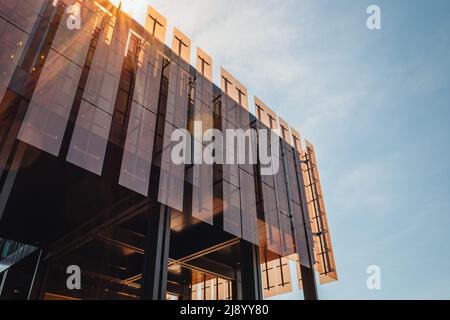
[
  {"x": 171, "y": 183},
  {"x": 156, "y": 24},
  {"x": 280, "y": 188},
  {"x": 247, "y": 146},
  {"x": 273, "y": 236},
  {"x": 177, "y": 100},
  {"x": 21, "y": 13},
  {"x": 74, "y": 43},
  {"x": 232, "y": 210},
  {"x": 99, "y": 98},
  {"x": 232, "y": 222},
  {"x": 47, "y": 116},
  {"x": 138, "y": 150},
  {"x": 12, "y": 42},
  {"x": 148, "y": 78},
  {"x": 287, "y": 238},
  {"x": 203, "y": 173},
  {"x": 292, "y": 175},
  {"x": 233, "y": 88},
  {"x": 230, "y": 167},
  {"x": 202, "y": 193},
  {"x": 248, "y": 208},
  {"x": 204, "y": 64},
  {"x": 285, "y": 133},
  {"x": 229, "y": 111},
  {"x": 302, "y": 221},
  {"x": 203, "y": 90},
  {"x": 181, "y": 45},
  {"x": 303, "y": 236},
  {"x": 90, "y": 137},
  {"x": 264, "y": 114},
  {"x": 103, "y": 80},
  {"x": 296, "y": 140},
  {"x": 323, "y": 250},
  {"x": 46, "y": 119}
]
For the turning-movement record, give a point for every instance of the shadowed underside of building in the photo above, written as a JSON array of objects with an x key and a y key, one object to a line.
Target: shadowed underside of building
[{"x": 86, "y": 178}]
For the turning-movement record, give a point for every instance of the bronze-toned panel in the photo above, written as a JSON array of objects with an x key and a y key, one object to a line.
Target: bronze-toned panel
[
  {"x": 156, "y": 24},
  {"x": 280, "y": 188},
  {"x": 181, "y": 45},
  {"x": 266, "y": 115},
  {"x": 296, "y": 140},
  {"x": 138, "y": 150},
  {"x": 284, "y": 131},
  {"x": 204, "y": 64},
  {"x": 100, "y": 93},
  {"x": 230, "y": 167},
  {"x": 47, "y": 116},
  {"x": 90, "y": 136},
  {"x": 322, "y": 243},
  {"x": 171, "y": 182},
  {"x": 21, "y": 13},
  {"x": 248, "y": 208},
  {"x": 104, "y": 77},
  {"x": 202, "y": 173},
  {"x": 148, "y": 78},
  {"x": 177, "y": 100},
  {"x": 202, "y": 192},
  {"x": 287, "y": 238},
  {"x": 12, "y": 42},
  {"x": 232, "y": 210},
  {"x": 232, "y": 87},
  {"x": 273, "y": 236}
]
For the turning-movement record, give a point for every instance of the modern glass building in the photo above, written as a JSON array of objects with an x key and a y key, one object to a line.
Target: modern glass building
[{"x": 89, "y": 190}]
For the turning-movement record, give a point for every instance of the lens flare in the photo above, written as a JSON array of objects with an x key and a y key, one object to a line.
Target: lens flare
[{"x": 127, "y": 6}]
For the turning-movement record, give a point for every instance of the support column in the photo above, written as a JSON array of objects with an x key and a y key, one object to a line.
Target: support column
[
  {"x": 156, "y": 259},
  {"x": 309, "y": 283},
  {"x": 250, "y": 273}
]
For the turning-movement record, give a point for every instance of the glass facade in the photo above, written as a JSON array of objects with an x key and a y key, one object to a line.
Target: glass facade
[{"x": 88, "y": 177}]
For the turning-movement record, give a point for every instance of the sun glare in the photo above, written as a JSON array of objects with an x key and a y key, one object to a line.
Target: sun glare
[{"x": 127, "y": 6}]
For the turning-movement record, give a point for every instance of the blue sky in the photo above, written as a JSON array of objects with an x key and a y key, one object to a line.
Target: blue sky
[{"x": 377, "y": 106}]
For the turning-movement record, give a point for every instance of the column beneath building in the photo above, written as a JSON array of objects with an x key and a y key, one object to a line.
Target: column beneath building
[
  {"x": 156, "y": 260},
  {"x": 309, "y": 283},
  {"x": 248, "y": 285}
]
